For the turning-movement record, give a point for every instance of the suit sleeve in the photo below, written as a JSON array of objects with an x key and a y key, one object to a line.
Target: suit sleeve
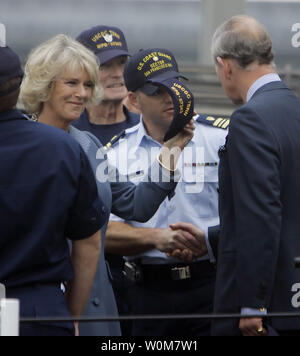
[
  {"x": 254, "y": 166},
  {"x": 140, "y": 202},
  {"x": 213, "y": 239},
  {"x": 87, "y": 213}
]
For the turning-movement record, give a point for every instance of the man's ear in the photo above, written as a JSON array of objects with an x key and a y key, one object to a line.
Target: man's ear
[
  {"x": 220, "y": 61},
  {"x": 227, "y": 65},
  {"x": 132, "y": 97}
]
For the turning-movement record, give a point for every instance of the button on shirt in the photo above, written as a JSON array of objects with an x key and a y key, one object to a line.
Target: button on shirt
[{"x": 196, "y": 195}]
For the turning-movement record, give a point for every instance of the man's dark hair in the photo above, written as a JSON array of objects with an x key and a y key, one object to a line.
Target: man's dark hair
[{"x": 9, "y": 94}]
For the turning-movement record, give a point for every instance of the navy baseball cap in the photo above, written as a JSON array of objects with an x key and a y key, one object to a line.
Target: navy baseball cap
[
  {"x": 10, "y": 68},
  {"x": 147, "y": 64},
  {"x": 183, "y": 101},
  {"x": 107, "y": 42}
]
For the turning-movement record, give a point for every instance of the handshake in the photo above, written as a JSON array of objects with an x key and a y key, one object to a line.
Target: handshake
[{"x": 183, "y": 241}]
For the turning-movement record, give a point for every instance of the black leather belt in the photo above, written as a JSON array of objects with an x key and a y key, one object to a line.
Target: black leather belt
[{"x": 176, "y": 272}]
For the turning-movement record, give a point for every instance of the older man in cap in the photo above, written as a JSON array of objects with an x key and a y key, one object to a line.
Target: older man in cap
[
  {"x": 37, "y": 164},
  {"x": 110, "y": 116}
]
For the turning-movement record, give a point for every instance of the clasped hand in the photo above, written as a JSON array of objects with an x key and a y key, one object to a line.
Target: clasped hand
[{"x": 186, "y": 242}]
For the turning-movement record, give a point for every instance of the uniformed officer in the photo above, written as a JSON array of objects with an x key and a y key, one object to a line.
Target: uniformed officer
[
  {"x": 164, "y": 285},
  {"x": 47, "y": 193}
]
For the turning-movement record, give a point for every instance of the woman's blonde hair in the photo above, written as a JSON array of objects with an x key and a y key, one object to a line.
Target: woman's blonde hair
[{"x": 48, "y": 62}]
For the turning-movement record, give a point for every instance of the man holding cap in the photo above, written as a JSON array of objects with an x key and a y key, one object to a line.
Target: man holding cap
[
  {"x": 47, "y": 190},
  {"x": 161, "y": 284},
  {"x": 110, "y": 116}
]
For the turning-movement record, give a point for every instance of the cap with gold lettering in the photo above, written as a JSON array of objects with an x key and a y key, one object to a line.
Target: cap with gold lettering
[
  {"x": 107, "y": 42},
  {"x": 183, "y": 102},
  {"x": 145, "y": 65}
]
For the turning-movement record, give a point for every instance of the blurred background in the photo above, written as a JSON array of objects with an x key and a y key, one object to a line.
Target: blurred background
[{"x": 183, "y": 26}]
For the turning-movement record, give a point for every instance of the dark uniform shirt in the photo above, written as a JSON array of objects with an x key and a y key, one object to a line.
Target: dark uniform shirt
[
  {"x": 105, "y": 132},
  {"x": 47, "y": 193}
]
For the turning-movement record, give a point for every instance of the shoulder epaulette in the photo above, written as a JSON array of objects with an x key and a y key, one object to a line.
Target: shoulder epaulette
[
  {"x": 114, "y": 140},
  {"x": 215, "y": 121},
  {"x": 122, "y": 134}
]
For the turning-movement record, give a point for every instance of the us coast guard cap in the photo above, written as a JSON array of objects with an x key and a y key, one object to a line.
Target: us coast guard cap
[
  {"x": 183, "y": 101},
  {"x": 107, "y": 42},
  {"x": 10, "y": 67},
  {"x": 147, "y": 64}
]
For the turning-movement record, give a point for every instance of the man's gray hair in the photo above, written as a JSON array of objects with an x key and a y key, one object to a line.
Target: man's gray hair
[{"x": 243, "y": 39}]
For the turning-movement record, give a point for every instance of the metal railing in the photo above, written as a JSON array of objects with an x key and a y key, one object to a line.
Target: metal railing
[{"x": 9, "y": 315}]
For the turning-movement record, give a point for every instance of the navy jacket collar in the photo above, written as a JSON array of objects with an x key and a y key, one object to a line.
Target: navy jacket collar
[
  {"x": 12, "y": 115},
  {"x": 270, "y": 86}
]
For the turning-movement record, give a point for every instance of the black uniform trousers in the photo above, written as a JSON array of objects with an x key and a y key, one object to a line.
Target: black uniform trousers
[
  {"x": 42, "y": 301},
  {"x": 158, "y": 293}
]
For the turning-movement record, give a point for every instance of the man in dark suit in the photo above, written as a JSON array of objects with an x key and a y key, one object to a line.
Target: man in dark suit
[{"x": 259, "y": 186}]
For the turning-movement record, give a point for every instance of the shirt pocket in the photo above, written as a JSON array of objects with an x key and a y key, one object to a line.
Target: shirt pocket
[{"x": 201, "y": 191}]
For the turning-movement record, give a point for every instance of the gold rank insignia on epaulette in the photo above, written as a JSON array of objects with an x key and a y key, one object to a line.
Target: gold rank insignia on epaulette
[
  {"x": 221, "y": 122},
  {"x": 114, "y": 139}
]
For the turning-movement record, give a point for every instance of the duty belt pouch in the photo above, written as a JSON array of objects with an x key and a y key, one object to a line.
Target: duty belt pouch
[{"x": 133, "y": 272}]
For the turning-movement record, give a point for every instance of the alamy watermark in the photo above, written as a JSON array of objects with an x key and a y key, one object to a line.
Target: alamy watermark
[
  {"x": 132, "y": 164},
  {"x": 296, "y": 37}
]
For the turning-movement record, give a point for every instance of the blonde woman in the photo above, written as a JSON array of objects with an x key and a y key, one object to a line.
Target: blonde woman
[{"x": 61, "y": 79}]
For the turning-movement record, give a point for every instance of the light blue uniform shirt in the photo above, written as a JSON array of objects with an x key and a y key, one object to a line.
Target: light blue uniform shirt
[{"x": 196, "y": 195}]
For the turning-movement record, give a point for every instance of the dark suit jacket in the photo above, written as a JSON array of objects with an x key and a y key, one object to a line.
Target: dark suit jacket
[{"x": 259, "y": 178}]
